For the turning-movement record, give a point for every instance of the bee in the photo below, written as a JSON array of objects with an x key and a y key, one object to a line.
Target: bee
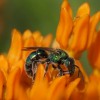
[{"x": 56, "y": 57}]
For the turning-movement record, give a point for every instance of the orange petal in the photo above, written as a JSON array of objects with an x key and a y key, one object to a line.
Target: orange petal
[
  {"x": 27, "y": 34},
  {"x": 19, "y": 64},
  {"x": 94, "y": 52},
  {"x": 21, "y": 86},
  {"x": 14, "y": 89},
  {"x": 36, "y": 34},
  {"x": 56, "y": 89},
  {"x": 55, "y": 44},
  {"x": 70, "y": 88},
  {"x": 39, "y": 84},
  {"x": 66, "y": 5},
  {"x": 39, "y": 74},
  {"x": 93, "y": 23},
  {"x": 83, "y": 78},
  {"x": 13, "y": 77},
  {"x": 28, "y": 43},
  {"x": 39, "y": 92},
  {"x": 84, "y": 9},
  {"x": 38, "y": 38},
  {"x": 3, "y": 63},
  {"x": 2, "y": 82},
  {"x": 82, "y": 70},
  {"x": 80, "y": 34},
  {"x": 92, "y": 91},
  {"x": 47, "y": 40},
  {"x": 14, "y": 53},
  {"x": 65, "y": 25},
  {"x": 77, "y": 95},
  {"x": 95, "y": 75},
  {"x": 24, "y": 79}
]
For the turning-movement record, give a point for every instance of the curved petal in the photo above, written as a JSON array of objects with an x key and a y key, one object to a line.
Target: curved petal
[
  {"x": 66, "y": 5},
  {"x": 2, "y": 83},
  {"x": 92, "y": 91},
  {"x": 4, "y": 65},
  {"x": 65, "y": 25},
  {"x": 38, "y": 38},
  {"x": 29, "y": 42},
  {"x": 56, "y": 90},
  {"x": 70, "y": 88},
  {"x": 14, "y": 53},
  {"x": 95, "y": 76},
  {"x": 84, "y": 9},
  {"x": 77, "y": 95},
  {"x": 19, "y": 64},
  {"x": 39, "y": 84},
  {"x": 27, "y": 34},
  {"x": 13, "y": 77},
  {"x": 79, "y": 36},
  {"x": 24, "y": 79},
  {"x": 47, "y": 40},
  {"x": 14, "y": 90},
  {"x": 55, "y": 44},
  {"x": 80, "y": 73},
  {"x": 40, "y": 74},
  {"x": 79, "y": 39},
  {"x": 93, "y": 23},
  {"x": 85, "y": 76},
  {"x": 94, "y": 52}
]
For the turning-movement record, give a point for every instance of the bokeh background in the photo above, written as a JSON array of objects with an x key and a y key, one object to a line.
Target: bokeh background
[{"x": 42, "y": 15}]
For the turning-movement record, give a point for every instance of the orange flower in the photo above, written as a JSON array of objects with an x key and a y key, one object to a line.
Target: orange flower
[
  {"x": 74, "y": 36},
  {"x": 93, "y": 88},
  {"x": 70, "y": 32},
  {"x": 94, "y": 52},
  {"x": 94, "y": 47},
  {"x": 15, "y": 84}
]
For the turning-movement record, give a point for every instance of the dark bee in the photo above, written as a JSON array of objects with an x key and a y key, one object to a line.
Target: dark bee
[{"x": 56, "y": 57}]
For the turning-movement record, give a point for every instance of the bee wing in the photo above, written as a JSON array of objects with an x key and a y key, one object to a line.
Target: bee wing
[{"x": 35, "y": 48}]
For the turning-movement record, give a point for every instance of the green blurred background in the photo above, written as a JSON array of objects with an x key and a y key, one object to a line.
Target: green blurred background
[{"x": 42, "y": 15}]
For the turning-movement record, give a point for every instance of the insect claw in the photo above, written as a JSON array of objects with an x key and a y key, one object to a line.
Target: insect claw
[{"x": 79, "y": 72}]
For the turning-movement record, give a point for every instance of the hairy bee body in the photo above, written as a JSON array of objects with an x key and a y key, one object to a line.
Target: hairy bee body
[{"x": 56, "y": 57}]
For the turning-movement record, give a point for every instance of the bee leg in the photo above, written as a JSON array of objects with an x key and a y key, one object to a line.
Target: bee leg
[
  {"x": 54, "y": 66},
  {"x": 60, "y": 71},
  {"x": 79, "y": 72},
  {"x": 46, "y": 68},
  {"x": 34, "y": 69},
  {"x": 66, "y": 72}
]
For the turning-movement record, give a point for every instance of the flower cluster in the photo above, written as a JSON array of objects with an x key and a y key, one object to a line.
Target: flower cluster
[{"x": 74, "y": 36}]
